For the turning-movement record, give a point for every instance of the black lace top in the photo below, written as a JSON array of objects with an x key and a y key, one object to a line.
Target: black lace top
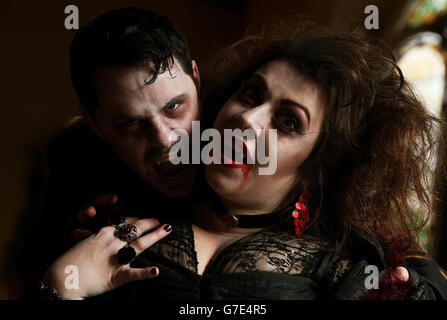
[{"x": 269, "y": 264}]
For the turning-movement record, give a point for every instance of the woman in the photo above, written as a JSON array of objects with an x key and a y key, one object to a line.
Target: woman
[{"x": 351, "y": 147}]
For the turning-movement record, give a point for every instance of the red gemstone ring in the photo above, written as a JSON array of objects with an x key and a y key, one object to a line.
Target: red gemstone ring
[{"x": 127, "y": 232}]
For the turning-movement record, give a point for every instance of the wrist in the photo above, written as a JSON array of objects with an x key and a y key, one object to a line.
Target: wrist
[
  {"x": 38, "y": 291},
  {"x": 53, "y": 281}
]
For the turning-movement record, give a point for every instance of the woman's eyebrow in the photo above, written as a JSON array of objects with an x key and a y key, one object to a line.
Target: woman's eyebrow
[{"x": 260, "y": 79}]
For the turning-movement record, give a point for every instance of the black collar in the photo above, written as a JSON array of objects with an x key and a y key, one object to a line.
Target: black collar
[{"x": 232, "y": 221}]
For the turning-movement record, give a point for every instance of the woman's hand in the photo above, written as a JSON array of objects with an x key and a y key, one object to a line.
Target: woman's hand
[{"x": 97, "y": 264}]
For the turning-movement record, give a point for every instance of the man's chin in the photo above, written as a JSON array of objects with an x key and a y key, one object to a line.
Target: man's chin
[
  {"x": 174, "y": 187},
  {"x": 176, "y": 194}
]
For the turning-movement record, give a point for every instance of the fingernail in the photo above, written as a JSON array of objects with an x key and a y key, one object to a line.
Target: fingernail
[
  {"x": 167, "y": 228},
  {"x": 154, "y": 271}
]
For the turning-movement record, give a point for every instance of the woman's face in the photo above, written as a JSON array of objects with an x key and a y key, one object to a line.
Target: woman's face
[{"x": 275, "y": 97}]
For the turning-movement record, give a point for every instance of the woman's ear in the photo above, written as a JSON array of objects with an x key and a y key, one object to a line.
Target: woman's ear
[
  {"x": 91, "y": 121},
  {"x": 196, "y": 74}
]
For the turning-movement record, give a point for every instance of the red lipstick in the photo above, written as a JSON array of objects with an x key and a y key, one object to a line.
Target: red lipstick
[{"x": 236, "y": 165}]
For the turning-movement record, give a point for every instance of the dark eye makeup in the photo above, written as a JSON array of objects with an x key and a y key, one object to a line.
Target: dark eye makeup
[
  {"x": 288, "y": 122},
  {"x": 174, "y": 106},
  {"x": 252, "y": 91}
]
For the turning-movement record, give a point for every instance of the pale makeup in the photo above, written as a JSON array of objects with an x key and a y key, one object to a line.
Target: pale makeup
[
  {"x": 279, "y": 97},
  {"x": 136, "y": 118}
]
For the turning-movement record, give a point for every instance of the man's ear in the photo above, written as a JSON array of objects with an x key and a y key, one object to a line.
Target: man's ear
[
  {"x": 196, "y": 74},
  {"x": 91, "y": 121}
]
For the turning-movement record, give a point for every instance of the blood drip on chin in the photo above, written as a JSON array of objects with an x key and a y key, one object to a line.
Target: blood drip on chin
[{"x": 245, "y": 171}]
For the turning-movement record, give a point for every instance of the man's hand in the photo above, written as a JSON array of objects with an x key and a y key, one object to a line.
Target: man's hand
[
  {"x": 85, "y": 215},
  {"x": 400, "y": 274}
]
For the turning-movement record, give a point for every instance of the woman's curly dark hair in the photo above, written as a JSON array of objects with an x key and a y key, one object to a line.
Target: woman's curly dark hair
[{"x": 369, "y": 168}]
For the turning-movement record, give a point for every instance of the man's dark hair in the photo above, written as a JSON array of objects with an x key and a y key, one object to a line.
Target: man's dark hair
[{"x": 124, "y": 37}]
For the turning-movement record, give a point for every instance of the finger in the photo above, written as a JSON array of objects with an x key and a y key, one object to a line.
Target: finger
[
  {"x": 86, "y": 214},
  {"x": 144, "y": 225},
  {"x": 128, "y": 274},
  {"x": 131, "y": 220},
  {"x": 144, "y": 242},
  {"x": 105, "y": 200},
  {"x": 79, "y": 234}
]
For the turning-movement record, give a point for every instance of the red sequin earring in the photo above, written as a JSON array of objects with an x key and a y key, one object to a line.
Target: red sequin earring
[{"x": 301, "y": 214}]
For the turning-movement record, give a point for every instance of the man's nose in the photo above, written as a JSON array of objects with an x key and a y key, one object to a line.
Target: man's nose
[{"x": 160, "y": 134}]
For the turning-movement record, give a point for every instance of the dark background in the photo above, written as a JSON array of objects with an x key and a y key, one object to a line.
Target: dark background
[{"x": 37, "y": 96}]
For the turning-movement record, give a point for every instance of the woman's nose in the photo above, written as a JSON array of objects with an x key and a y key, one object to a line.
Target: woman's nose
[{"x": 255, "y": 118}]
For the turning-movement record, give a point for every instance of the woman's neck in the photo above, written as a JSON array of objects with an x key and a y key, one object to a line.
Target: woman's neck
[
  {"x": 206, "y": 217},
  {"x": 244, "y": 207},
  {"x": 212, "y": 215}
]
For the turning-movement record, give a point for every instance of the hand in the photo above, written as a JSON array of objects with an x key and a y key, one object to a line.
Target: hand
[
  {"x": 85, "y": 215},
  {"x": 400, "y": 274},
  {"x": 97, "y": 264}
]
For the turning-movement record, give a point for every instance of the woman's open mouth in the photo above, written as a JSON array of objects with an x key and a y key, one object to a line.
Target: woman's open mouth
[
  {"x": 236, "y": 157},
  {"x": 242, "y": 161}
]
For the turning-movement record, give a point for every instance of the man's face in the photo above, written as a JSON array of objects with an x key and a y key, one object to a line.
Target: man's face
[{"x": 136, "y": 120}]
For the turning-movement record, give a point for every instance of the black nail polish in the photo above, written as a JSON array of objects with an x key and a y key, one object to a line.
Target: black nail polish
[
  {"x": 168, "y": 228},
  {"x": 154, "y": 271}
]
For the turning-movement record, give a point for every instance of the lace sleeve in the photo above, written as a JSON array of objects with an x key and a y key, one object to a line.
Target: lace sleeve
[{"x": 178, "y": 246}]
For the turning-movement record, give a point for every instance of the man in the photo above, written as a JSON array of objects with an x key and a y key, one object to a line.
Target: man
[{"x": 136, "y": 82}]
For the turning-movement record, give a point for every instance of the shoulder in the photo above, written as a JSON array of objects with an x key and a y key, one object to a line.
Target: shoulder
[
  {"x": 426, "y": 273},
  {"x": 371, "y": 268},
  {"x": 72, "y": 137},
  {"x": 345, "y": 271},
  {"x": 76, "y": 152}
]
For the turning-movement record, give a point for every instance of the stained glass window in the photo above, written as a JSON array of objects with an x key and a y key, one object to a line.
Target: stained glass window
[
  {"x": 423, "y": 65},
  {"x": 422, "y": 62},
  {"x": 425, "y": 12}
]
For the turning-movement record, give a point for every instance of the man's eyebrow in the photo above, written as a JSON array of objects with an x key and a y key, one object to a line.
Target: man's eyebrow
[
  {"x": 298, "y": 105},
  {"x": 127, "y": 116},
  {"x": 176, "y": 99}
]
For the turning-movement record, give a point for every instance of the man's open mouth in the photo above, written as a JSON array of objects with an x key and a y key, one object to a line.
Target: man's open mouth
[{"x": 168, "y": 170}]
